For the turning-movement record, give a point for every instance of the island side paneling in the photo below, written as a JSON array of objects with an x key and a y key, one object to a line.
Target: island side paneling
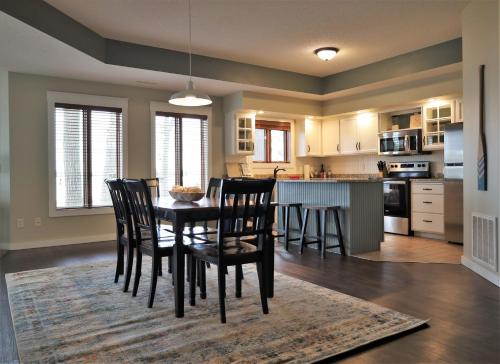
[{"x": 362, "y": 215}]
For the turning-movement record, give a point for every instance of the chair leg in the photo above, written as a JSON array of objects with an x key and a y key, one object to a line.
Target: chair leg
[
  {"x": 169, "y": 264},
  {"x": 203, "y": 280},
  {"x": 188, "y": 268},
  {"x": 323, "y": 234},
  {"x": 262, "y": 287},
  {"x": 299, "y": 216},
  {"x": 303, "y": 232},
  {"x": 222, "y": 291},
  {"x": 160, "y": 265},
  {"x": 138, "y": 265},
  {"x": 128, "y": 272},
  {"x": 119, "y": 261},
  {"x": 339, "y": 231},
  {"x": 286, "y": 226},
  {"x": 155, "y": 270},
  {"x": 318, "y": 229},
  {"x": 238, "y": 274},
  {"x": 192, "y": 281}
]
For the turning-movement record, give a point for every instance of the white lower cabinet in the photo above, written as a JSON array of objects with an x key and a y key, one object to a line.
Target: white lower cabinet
[{"x": 427, "y": 207}]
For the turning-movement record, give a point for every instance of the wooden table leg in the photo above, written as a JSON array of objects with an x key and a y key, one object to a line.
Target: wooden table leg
[{"x": 179, "y": 267}]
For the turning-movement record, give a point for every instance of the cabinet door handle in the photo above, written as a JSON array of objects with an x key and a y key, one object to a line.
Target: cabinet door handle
[
  {"x": 425, "y": 139},
  {"x": 338, "y": 148},
  {"x": 308, "y": 148},
  {"x": 427, "y": 189},
  {"x": 426, "y": 202},
  {"x": 359, "y": 145},
  {"x": 427, "y": 220}
]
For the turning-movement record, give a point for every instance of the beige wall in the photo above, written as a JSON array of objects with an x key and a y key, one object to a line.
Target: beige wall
[
  {"x": 4, "y": 159},
  {"x": 29, "y": 156},
  {"x": 480, "y": 34}
]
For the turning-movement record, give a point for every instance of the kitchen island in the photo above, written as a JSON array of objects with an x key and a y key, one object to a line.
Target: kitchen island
[{"x": 362, "y": 209}]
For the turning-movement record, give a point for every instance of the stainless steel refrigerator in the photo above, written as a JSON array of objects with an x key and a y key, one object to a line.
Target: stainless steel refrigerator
[{"x": 453, "y": 182}]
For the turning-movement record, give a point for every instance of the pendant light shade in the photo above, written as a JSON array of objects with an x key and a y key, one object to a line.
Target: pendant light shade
[{"x": 189, "y": 96}]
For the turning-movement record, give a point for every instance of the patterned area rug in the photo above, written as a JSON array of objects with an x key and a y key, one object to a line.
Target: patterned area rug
[{"x": 77, "y": 314}]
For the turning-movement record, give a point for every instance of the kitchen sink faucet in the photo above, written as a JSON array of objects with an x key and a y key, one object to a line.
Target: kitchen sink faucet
[{"x": 276, "y": 170}]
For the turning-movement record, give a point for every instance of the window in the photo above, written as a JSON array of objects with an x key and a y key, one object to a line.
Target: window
[
  {"x": 181, "y": 150},
  {"x": 272, "y": 142},
  {"x": 86, "y": 147}
]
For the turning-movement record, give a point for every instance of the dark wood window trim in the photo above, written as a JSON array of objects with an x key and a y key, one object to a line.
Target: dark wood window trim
[{"x": 268, "y": 126}]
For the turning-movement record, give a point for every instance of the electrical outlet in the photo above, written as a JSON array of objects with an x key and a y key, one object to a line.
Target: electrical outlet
[
  {"x": 37, "y": 221},
  {"x": 20, "y": 222}
]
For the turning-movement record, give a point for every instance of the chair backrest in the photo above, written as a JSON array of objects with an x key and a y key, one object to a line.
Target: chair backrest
[
  {"x": 123, "y": 213},
  {"x": 154, "y": 186},
  {"x": 245, "y": 206},
  {"x": 213, "y": 188},
  {"x": 139, "y": 196}
]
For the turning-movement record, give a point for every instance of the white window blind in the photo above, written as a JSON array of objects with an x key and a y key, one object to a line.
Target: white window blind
[
  {"x": 181, "y": 150},
  {"x": 88, "y": 150}
]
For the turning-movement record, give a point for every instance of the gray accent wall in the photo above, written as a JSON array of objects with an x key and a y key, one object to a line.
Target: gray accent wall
[{"x": 29, "y": 194}]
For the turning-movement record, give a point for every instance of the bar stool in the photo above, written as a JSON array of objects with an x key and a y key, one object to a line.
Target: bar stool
[
  {"x": 285, "y": 218},
  {"x": 321, "y": 214}
]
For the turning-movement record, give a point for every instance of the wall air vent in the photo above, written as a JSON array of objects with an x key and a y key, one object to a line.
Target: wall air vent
[{"x": 484, "y": 239}]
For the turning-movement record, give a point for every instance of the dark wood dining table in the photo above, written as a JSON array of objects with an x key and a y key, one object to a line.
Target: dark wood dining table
[{"x": 182, "y": 214}]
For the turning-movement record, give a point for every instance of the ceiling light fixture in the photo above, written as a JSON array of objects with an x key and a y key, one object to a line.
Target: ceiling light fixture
[
  {"x": 326, "y": 53},
  {"x": 189, "y": 96}
]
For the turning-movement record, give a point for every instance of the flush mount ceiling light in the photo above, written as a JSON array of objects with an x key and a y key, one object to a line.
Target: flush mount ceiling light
[
  {"x": 189, "y": 96},
  {"x": 326, "y": 53}
]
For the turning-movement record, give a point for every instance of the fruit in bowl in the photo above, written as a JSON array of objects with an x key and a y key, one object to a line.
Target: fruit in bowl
[{"x": 186, "y": 194}]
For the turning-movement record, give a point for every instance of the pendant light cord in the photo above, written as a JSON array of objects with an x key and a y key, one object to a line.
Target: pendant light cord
[{"x": 189, "y": 12}]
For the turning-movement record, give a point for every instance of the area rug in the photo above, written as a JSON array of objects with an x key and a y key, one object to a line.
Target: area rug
[{"x": 77, "y": 314}]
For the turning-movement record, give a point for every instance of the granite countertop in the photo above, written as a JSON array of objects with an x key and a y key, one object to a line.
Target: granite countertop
[{"x": 332, "y": 180}]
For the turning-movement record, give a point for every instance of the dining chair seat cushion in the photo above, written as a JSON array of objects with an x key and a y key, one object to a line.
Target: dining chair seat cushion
[{"x": 233, "y": 247}]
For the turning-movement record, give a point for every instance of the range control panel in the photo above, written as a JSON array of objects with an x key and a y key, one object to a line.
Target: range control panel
[{"x": 409, "y": 167}]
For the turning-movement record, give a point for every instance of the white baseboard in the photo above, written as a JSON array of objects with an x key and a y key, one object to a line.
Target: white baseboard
[
  {"x": 482, "y": 271},
  {"x": 18, "y": 245}
]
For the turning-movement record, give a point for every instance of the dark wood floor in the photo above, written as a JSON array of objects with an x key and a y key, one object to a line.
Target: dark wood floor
[{"x": 464, "y": 309}]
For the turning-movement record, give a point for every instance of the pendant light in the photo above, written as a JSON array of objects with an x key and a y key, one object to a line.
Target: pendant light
[{"x": 189, "y": 96}]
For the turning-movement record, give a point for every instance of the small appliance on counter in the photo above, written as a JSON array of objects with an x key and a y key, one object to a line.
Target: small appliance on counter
[
  {"x": 453, "y": 182},
  {"x": 397, "y": 209}
]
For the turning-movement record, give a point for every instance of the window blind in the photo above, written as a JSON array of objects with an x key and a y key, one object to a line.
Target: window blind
[
  {"x": 181, "y": 150},
  {"x": 88, "y": 150}
]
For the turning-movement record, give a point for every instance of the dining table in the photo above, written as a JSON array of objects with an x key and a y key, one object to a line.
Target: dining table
[{"x": 181, "y": 214}]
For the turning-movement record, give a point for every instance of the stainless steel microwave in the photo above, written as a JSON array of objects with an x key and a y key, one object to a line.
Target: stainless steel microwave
[{"x": 400, "y": 142}]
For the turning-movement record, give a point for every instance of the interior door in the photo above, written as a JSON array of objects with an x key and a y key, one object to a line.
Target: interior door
[
  {"x": 367, "y": 132},
  {"x": 331, "y": 137},
  {"x": 348, "y": 136}
]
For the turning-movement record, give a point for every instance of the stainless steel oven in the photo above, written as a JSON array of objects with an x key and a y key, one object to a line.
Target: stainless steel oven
[
  {"x": 397, "y": 208},
  {"x": 400, "y": 142}
]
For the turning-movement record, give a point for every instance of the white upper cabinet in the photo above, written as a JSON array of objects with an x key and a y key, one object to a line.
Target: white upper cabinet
[
  {"x": 308, "y": 134},
  {"x": 348, "y": 136},
  {"x": 436, "y": 115},
  {"x": 358, "y": 134},
  {"x": 367, "y": 132},
  {"x": 240, "y": 133},
  {"x": 331, "y": 137}
]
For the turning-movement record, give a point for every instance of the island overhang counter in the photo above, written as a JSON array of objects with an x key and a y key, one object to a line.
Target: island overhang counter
[{"x": 361, "y": 216}]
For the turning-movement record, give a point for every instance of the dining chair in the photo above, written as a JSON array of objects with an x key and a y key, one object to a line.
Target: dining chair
[
  {"x": 248, "y": 201},
  {"x": 124, "y": 230},
  {"x": 157, "y": 243}
]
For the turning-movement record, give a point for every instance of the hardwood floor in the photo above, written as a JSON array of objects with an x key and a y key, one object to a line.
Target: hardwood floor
[
  {"x": 399, "y": 248},
  {"x": 464, "y": 309}
]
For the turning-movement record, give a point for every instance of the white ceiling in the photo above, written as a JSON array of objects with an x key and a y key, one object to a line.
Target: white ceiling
[{"x": 277, "y": 33}]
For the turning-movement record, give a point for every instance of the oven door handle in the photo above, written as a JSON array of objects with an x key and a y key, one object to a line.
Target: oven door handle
[{"x": 395, "y": 182}]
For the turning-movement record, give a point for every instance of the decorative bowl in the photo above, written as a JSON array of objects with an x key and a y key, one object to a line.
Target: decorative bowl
[{"x": 187, "y": 196}]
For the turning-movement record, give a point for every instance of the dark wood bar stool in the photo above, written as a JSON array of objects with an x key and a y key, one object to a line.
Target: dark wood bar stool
[
  {"x": 284, "y": 233},
  {"x": 320, "y": 238}
]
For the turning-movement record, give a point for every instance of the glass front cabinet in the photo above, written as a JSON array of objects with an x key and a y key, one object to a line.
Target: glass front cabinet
[
  {"x": 240, "y": 135},
  {"x": 436, "y": 115}
]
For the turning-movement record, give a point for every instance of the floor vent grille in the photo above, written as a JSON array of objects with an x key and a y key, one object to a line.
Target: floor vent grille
[{"x": 484, "y": 239}]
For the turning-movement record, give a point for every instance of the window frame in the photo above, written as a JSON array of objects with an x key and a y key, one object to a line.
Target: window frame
[
  {"x": 163, "y": 107},
  {"x": 268, "y": 126},
  {"x": 54, "y": 98}
]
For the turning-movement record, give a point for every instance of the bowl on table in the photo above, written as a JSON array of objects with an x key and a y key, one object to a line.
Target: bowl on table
[{"x": 186, "y": 194}]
